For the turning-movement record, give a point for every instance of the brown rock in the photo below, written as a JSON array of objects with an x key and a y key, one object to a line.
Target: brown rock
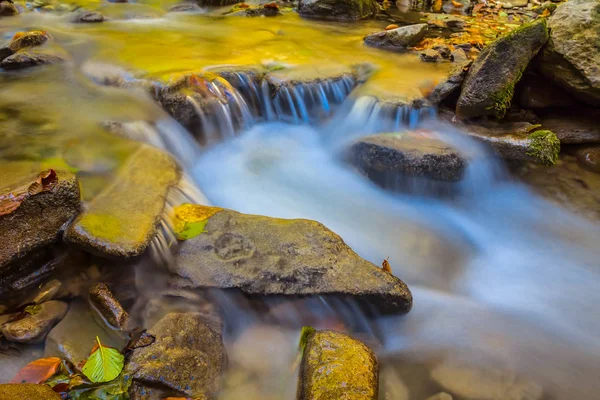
[
  {"x": 27, "y": 391},
  {"x": 34, "y": 328},
  {"x": 589, "y": 158},
  {"x": 109, "y": 308}
]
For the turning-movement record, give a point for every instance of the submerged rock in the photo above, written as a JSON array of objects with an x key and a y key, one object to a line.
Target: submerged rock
[
  {"x": 489, "y": 86},
  {"x": 33, "y": 208},
  {"x": 27, "y": 391},
  {"x": 266, "y": 256},
  {"x": 29, "y": 58},
  {"x": 572, "y": 56},
  {"x": 398, "y": 38},
  {"x": 187, "y": 358},
  {"x": 22, "y": 41},
  {"x": 337, "y": 366},
  {"x": 340, "y": 10},
  {"x": 109, "y": 308},
  {"x": 410, "y": 154},
  {"x": 589, "y": 157},
  {"x": 89, "y": 17},
  {"x": 121, "y": 221},
  {"x": 34, "y": 327},
  {"x": 185, "y": 7}
]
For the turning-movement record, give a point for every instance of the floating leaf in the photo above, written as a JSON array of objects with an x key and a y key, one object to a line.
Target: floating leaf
[
  {"x": 190, "y": 219},
  {"x": 104, "y": 364},
  {"x": 37, "y": 371}
]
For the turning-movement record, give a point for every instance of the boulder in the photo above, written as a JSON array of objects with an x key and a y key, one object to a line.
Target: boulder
[
  {"x": 489, "y": 86},
  {"x": 33, "y": 208},
  {"x": 263, "y": 256},
  {"x": 452, "y": 83},
  {"x": 538, "y": 93},
  {"x": 397, "y": 39},
  {"x": 572, "y": 56},
  {"x": 121, "y": 221},
  {"x": 339, "y": 10},
  {"x": 29, "y": 58},
  {"x": 337, "y": 366},
  {"x": 574, "y": 127},
  {"x": 36, "y": 324},
  {"x": 589, "y": 157},
  {"x": 22, "y": 41},
  {"x": 411, "y": 154},
  {"x": 187, "y": 358},
  {"x": 204, "y": 3},
  {"x": 27, "y": 391}
]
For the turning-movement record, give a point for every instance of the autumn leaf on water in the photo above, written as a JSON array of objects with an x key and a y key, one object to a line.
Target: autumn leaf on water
[
  {"x": 104, "y": 364},
  {"x": 38, "y": 371}
]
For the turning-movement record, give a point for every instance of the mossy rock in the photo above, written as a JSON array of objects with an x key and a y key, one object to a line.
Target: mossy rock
[
  {"x": 337, "y": 366},
  {"x": 489, "y": 86},
  {"x": 339, "y": 10},
  {"x": 544, "y": 147},
  {"x": 27, "y": 391}
]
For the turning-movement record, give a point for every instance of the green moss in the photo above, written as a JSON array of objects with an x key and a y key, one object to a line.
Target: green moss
[
  {"x": 544, "y": 146},
  {"x": 304, "y": 334}
]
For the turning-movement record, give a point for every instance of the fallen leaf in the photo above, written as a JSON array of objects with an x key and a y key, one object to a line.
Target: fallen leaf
[
  {"x": 271, "y": 5},
  {"x": 38, "y": 371},
  {"x": 545, "y": 13},
  {"x": 104, "y": 364},
  {"x": 386, "y": 266},
  {"x": 190, "y": 219},
  {"x": 477, "y": 8},
  {"x": 44, "y": 182},
  {"x": 391, "y": 26}
]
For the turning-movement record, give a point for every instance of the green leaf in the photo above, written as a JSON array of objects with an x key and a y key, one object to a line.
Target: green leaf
[
  {"x": 104, "y": 364},
  {"x": 304, "y": 334},
  {"x": 32, "y": 310}
]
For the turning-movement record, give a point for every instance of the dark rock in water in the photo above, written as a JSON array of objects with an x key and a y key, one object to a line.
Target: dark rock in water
[
  {"x": 574, "y": 127},
  {"x": 121, "y": 221},
  {"x": 109, "y": 308},
  {"x": 537, "y": 93},
  {"x": 33, "y": 208},
  {"x": 397, "y": 39},
  {"x": 489, "y": 86},
  {"x": 572, "y": 56},
  {"x": 443, "y": 50},
  {"x": 34, "y": 327},
  {"x": 217, "y": 2},
  {"x": 429, "y": 55},
  {"x": 90, "y": 17},
  {"x": 27, "y": 391},
  {"x": 26, "y": 59},
  {"x": 339, "y": 10},
  {"x": 28, "y": 39},
  {"x": 74, "y": 337},
  {"x": 265, "y": 10},
  {"x": 589, "y": 157},
  {"x": 459, "y": 56},
  {"x": 454, "y": 81},
  {"x": 264, "y": 256},
  {"x": 186, "y": 359},
  {"x": 337, "y": 366},
  {"x": 410, "y": 154},
  {"x": 185, "y": 7},
  {"x": 7, "y": 8}
]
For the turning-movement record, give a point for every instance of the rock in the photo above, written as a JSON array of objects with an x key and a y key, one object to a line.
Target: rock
[
  {"x": 108, "y": 307},
  {"x": 7, "y": 9},
  {"x": 574, "y": 127},
  {"x": 74, "y": 337},
  {"x": 187, "y": 359},
  {"x": 489, "y": 86},
  {"x": 26, "y": 59},
  {"x": 440, "y": 396},
  {"x": 26, "y": 39},
  {"x": 33, "y": 328},
  {"x": 410, "y": 154},
  {"x": 429, "y": 55},
  {"x": 336, "y": 366},
  {"x": 459, "y": 56},
  {"x": 538, "y": 93},
  {"x": 204, "y": 3},
  {"x": 185, "y": 7},
  {"x": 451, "y": 84},
  {"x": 471, "y": 383},
  {"x": 516, "y": 3},
  {"x": 339, "y": 10},
  {"x": 589, "y": 157},
  {"x": 397, "y": 39},
  {"x": 263, "y": 256},
  {"x": 572, "y": 56},
  {"x": 121, "y": 221},
  {"x": 443, "y": 50},
  {"x": 27, "y": 391},
  {"x": 90, "y": 17},
  {"x": 33, "y": 208}
]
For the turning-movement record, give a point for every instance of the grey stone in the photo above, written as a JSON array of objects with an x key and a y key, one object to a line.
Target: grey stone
[
  {"x": 29, "y": 39},
  {"x": 398, "y": 38},
  {"x": 185, "y": 7},
  {"x": 34, "y": 328},
  {"x": 265, "y": 256},
  {"x": 459, "y": 56},
  {"x": 339, "y": 10},
  {"x": 574, "y": 127},
  {"x": 90, "y": 17},
  {"x": 29, "y": 58}
]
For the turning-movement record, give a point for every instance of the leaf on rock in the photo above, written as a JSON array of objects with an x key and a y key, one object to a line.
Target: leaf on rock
[
  {"x": 104, "y": 364},
  {"x": 33, "y": 309},
  {"x": 38, "y": 371},
  {"x": 190, "y": 219},
  {"x": 44, "y": 182}
]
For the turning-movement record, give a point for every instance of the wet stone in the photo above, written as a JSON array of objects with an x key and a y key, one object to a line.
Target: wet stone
[
  {"x": 263, "y": 256},
  {"x": 27, "y": 59},
  {"x": 589, "y": 158},
  {"x": 187, "y": 359},
  {"x": 337, "y": 366},
  {"x": 429, "y": 55},
  {"x": 27, "y": 39},
  {"x": 398, "y": 38},
  {"x": 121, "y": 221},
  {"x": 574, "y": 127},
  {"x": 34, "y": 327},
  {"x": 7, "y": 8},
  {"x": 27, "y": 391},
  {"x": 185, "y": 7},
  {"x": 339, "y": 10},
  {"x": 89, "y": 17},
  {"x": 109, "y": 308}
]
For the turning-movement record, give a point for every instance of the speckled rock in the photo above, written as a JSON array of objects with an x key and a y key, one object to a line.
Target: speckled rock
[
  {"x": 398, "y": 38},
  {"x": 337, "y": 366},
  {"x": 263, "y": 256},
  {"x": 452, "y": 83},
  {"x": 108, "y": 307},
  {"x": 29, "y": 58},
  {"x": 187, "y": 358},
  {"x": 121, "y": 221},
  {"x": 34, "y": 328},
  {"x": 339, "y": 10},
  {"x": 410, "y": 154},
  {"x": 489, "y": 86},
  {"x": 27, "y": 391},
  {"x": 28, "y": 39}
]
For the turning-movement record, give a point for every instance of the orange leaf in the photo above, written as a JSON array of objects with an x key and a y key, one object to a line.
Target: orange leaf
[
  {"x": 386, "y": 266},
  {"x": 272, "y": 5},
  {"x": 545, "y": 13},
  {"x": 37, "y": 371},
  {"x": 391, "y": 26}
]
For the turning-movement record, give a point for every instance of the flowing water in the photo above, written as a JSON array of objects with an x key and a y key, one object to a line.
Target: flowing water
[{"x": 502, "y": 279}]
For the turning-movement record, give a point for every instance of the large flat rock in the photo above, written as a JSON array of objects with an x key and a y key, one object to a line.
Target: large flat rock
[
  {"x": 27, "y": 391},
  {"x": 277, "y": 257},
  {"x": 121, "y": 221}
]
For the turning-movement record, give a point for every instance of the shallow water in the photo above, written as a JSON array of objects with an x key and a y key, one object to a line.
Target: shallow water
[{"x": 501, "y": 278}]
